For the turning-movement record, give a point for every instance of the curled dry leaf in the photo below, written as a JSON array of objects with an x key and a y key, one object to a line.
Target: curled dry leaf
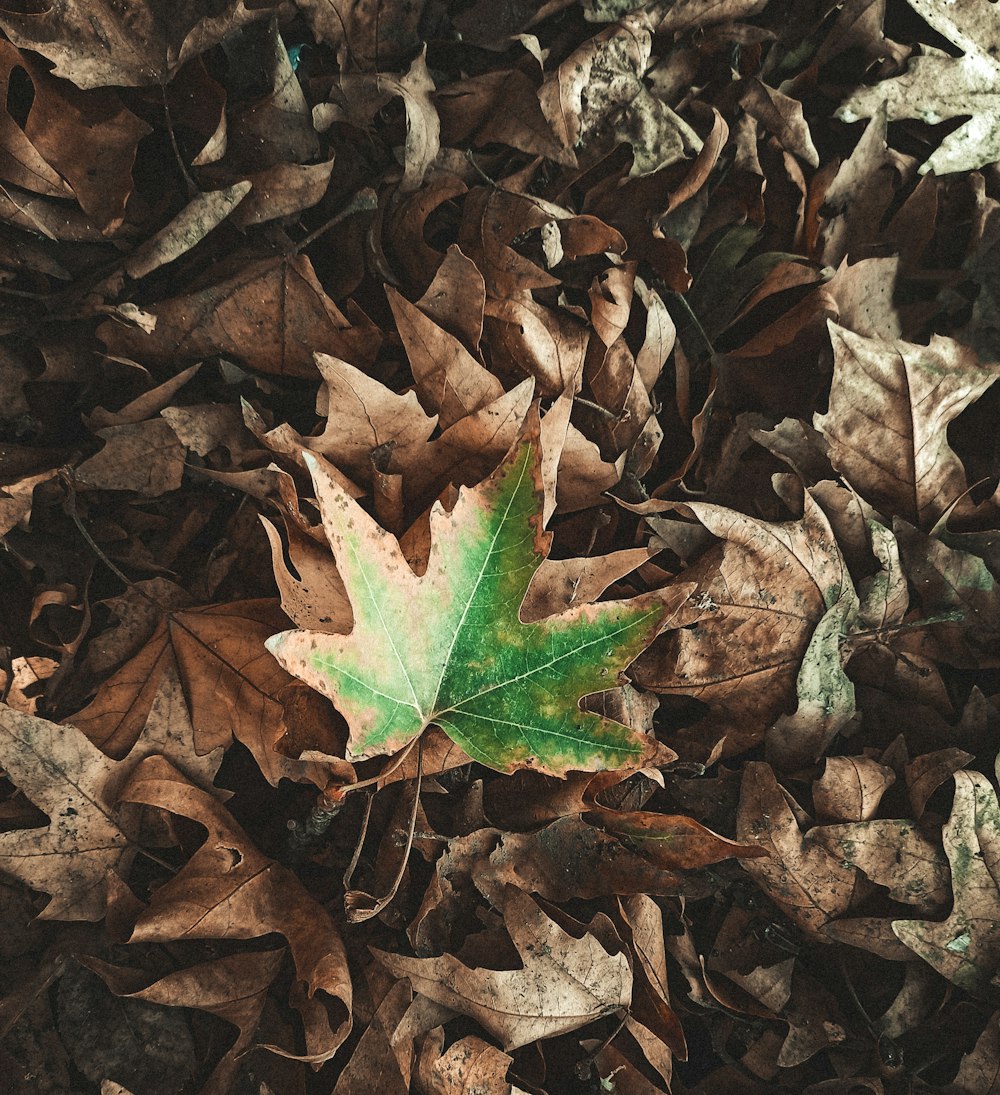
[
  {"x": 747, "y": 626},
  {"x": 230, "y": 890},
  {"x": 894, "y": 854},
  {"x": 850, "y": 789},
  {"x": 673, "y": 841},
  {"x": 887, "y": 426},
  {"x": 936, "y": 87},
  {"x": 233, "y": 987}
]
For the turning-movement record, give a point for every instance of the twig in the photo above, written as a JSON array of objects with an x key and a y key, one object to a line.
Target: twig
[
  {"x": 190, "y": 184},
  {"x": 364, "y": 199}
]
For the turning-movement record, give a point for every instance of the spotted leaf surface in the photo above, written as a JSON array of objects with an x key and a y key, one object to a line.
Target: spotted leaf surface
[{"x": 448, "y": 647}]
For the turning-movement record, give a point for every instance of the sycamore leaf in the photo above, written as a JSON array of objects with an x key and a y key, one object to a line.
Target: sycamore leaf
[
  {"x": 76, "y": 785},
  {"x": 965, "y": 948},
  {"x": 68, "y": 777},
  {"x": 802, "y": 878},
  {"x": 937, "y": 87},
  {"x": 761, "y": 596},
  {"x": 449, "y": 648},
  {"x": 135, "y": 45},
  {"x": 564, "y": 982}
]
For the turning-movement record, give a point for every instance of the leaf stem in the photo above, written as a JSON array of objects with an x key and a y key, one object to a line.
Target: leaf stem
[{"x": 361, "y": 906}]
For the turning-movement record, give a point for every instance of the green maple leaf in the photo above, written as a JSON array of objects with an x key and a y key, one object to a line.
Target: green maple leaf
[{"x": 449, "y": 648}]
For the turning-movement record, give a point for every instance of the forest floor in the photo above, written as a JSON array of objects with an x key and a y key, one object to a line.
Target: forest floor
[{"x": 379, "y": 380}]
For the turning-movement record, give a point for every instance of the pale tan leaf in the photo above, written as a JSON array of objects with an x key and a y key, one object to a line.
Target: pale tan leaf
[
  {"x": 887, "y": 425},
  {"x": 76, "y": 785},
  {"x": 564, "y": 983}
]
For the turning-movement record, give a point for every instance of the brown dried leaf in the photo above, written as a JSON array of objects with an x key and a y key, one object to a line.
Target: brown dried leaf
[
  {"x": 76, "y": 785},
  {"x": 564, "y": 983},
  {"x": 450, "y": 381},
  {"x": 145, "y": 457},
  {"x": 887, "y": 425},
  {"x": 801, "y": 877},
  {"x": 895, "y": 854},
  {"x": 850, "y": 789},
  {"x": 364, "y": 415},
  {"x": 379, "y": 1053},
  {"x": 233, "y": 987},
  {"x": 233, "y": 316},
  {"x": 965, "y": 947},
  {"x": 467, "y": 1066},
  {"x": 231, "y": 684},
  {"x": 673, "y": 841},
  {"x": 759, "y": 598},
  {"x": 230, "y": 890},
  {"x": 136, "y": 46}
]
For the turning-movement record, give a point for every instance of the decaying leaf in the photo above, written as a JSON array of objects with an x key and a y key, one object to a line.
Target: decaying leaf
[
  {"x": 965, "y": 947},
  {"x": 230, "y": 890},
  {"x": 801, "y": 877},
  {"x": 565, "y": 982},
  {"x": 499, "y": 349},
  {"x": 77, "y": 786},
  {"x": 936, "y": 87},
  {"x": 890, "y": 408}
]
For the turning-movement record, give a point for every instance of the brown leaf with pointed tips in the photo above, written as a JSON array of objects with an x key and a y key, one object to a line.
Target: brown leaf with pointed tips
[
  {"x": 233, "y": 987},
  {"x": 450, "y": 381},
  {"x": 895, "y": 854},
  {"x": 850, "y": 789},
  {"x": 76, "y": 785},
  {"x": 887, "y": 425},
  {"x": 363, "y": 415},
  {"x": 233, "y": 316},
  {"x": 759, "y": 598},
  {"x": 674, "y": 841},
  {"x": 564, "y": 982},
  {"x": 230, "y": 683},
  {"x": 806, "y": 882},
  {"x": 133, "y": 45},
  {"x": 230, "y": 890}
]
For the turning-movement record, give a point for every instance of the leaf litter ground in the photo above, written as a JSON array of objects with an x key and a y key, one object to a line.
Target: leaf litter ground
[{"x": 390, "y": 393}]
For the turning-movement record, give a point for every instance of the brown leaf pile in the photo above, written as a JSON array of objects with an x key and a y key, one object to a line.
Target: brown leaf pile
[{"x": 743, "y": 257}]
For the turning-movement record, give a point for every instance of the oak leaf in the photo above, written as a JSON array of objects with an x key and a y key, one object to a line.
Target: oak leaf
[{"x": 449, "y": 648}]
